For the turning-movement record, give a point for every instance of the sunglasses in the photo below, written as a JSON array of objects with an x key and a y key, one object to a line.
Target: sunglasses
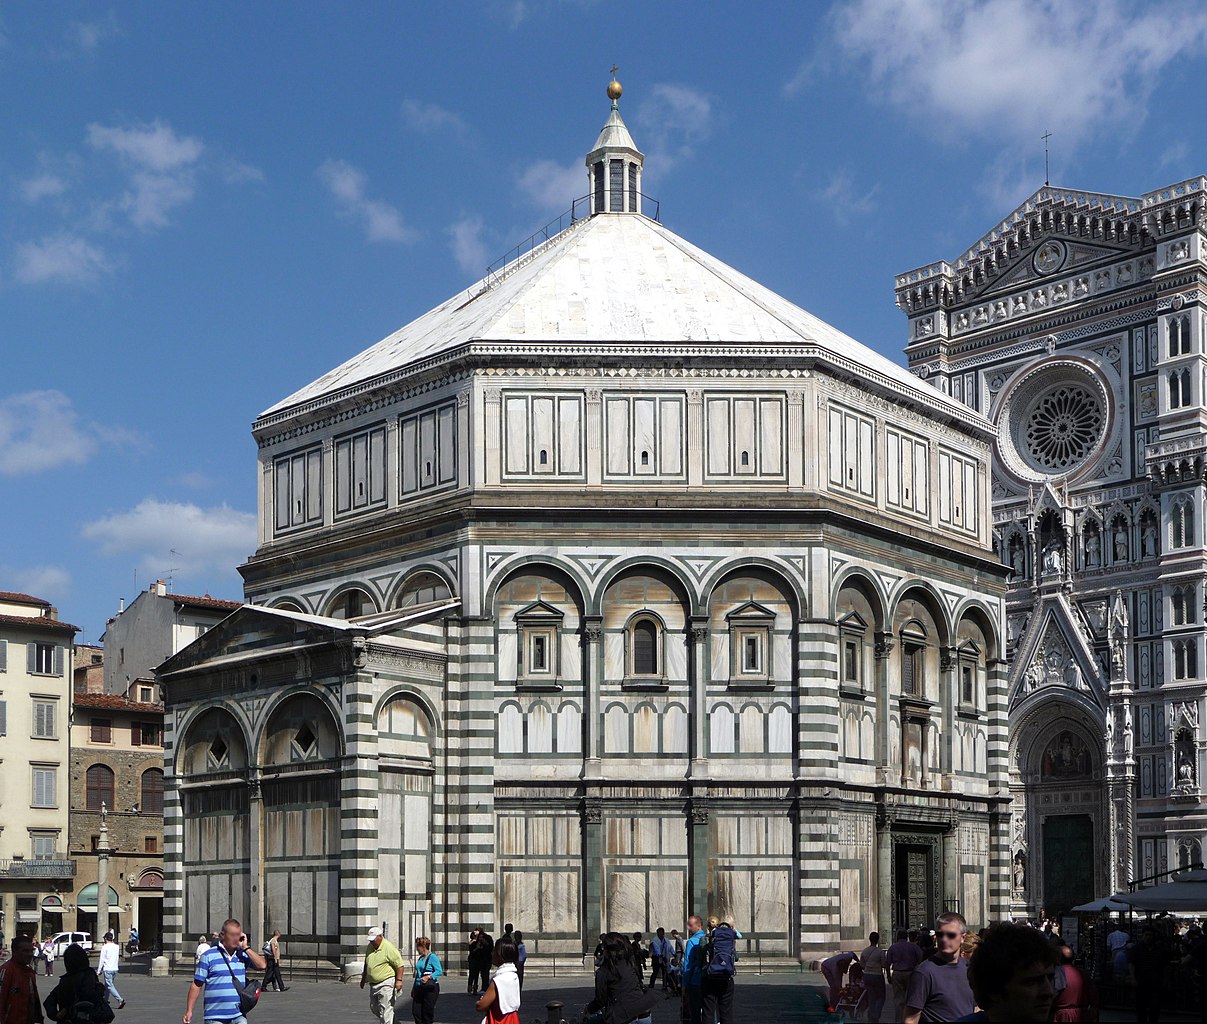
[{"x": 950, "y": 935}]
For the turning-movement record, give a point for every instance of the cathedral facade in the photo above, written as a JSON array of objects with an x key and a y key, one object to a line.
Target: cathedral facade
[
  {"x": 613, "y": 589},
  {"x": 1077, "y": 327}
]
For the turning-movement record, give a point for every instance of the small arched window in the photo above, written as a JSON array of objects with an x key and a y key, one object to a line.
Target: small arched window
[
  {"x": 1182, "y": 523},
  {"x": 99, "y": 787},
  {"x": 645, "y": 647},
  {"x": 151, "y": 791},
  {"x": 1177, "y": 601}
]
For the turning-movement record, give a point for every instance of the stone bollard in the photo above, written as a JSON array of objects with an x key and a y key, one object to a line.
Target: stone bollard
[
  {"x": 159, "y": 967},
  {"x": 553, "y": 1013}
]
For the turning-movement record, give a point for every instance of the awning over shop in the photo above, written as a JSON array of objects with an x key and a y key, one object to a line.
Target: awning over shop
[
  {"x": 1186, "y": 894},
  {"x": 87, "y": 898}
]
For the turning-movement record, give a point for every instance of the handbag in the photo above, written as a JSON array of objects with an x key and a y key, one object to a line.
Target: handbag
[{"x": 249, "y": 994}]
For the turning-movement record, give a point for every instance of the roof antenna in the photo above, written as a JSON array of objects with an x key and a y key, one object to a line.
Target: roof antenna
[{"x": 1047, "y": 177}]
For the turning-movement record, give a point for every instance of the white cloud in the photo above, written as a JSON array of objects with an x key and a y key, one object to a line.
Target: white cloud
[
  {"x": 51, "y": 582},
  {"x": 1010, "y": 69},
  {"x": 63, "y": 258},
  {"x": 235, "y": 172},
  {"x": 845, "y": 199},
  {"x": 195, "y": 480},
  {"x": 673, "y": 120},
  {"x": 41, "y": 430},
  {"x": 181, "y": 535},
  {"x": 42, "y": 186},
  {"x": 382, "y": 222},
  {"x": 86, "y": 36},
  {"x": 469, "y": 248},
  {"x": 431, "y": 117},
  {"x": 160, "y": 164},
  {"x": 553, "y": 186}
]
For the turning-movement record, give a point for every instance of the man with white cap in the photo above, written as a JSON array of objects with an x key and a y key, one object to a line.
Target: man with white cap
[{"x": 384, "y": 972}]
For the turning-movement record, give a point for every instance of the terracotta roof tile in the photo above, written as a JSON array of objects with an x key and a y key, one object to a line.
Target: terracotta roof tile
[
  {"x": 39, "y": 622},
  {"x": 12, "y": 597},
  {"x": 206, "y": 602},
  {"x": 114, "y": 702}
]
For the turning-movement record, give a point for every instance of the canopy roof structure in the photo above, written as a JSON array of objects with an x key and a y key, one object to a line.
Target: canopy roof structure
[{"x": 1186, "y": 893}]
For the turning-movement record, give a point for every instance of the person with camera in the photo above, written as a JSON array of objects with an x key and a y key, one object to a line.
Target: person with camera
[{"x": 221, "y": 973}]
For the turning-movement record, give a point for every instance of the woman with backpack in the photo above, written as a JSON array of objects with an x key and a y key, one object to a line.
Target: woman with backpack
[
  {"x": 620, "y": 997},
  {"x": 720, "y": 958},
  {"x": 79, "y": 998}
]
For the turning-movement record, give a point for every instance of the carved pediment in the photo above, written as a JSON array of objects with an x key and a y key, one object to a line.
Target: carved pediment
[
  {"x": 1056, "y": 652},
  {"x": 1047, "y": 259}
]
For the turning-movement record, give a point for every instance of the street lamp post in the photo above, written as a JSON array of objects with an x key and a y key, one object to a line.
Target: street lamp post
[{"x": 102, "y": 876}]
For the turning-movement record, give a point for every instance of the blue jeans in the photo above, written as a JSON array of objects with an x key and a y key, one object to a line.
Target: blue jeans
[
  {"x": 111, "y": 986},
  {"x": 233, "y": 1020},
  {"x": 695, "y": 1003}
]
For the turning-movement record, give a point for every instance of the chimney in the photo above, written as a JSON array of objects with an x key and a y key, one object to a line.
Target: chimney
[
  {"x": 121, "y": 605},
  {"x": 52, "y": 613},
  {"x": 160, "y": 588}
]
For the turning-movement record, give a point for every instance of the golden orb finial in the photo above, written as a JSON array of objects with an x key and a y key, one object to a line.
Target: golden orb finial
[{"x": 614, "y": 88}]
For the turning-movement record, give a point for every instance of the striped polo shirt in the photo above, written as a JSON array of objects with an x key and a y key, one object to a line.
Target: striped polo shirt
[{"x": 221, "y": 999}]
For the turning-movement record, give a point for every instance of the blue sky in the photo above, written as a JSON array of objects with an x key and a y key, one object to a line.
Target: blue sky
[{"x": 207, "y": 206}]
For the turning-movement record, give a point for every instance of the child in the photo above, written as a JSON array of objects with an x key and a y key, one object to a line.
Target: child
[{"x": 675, "y": 975}]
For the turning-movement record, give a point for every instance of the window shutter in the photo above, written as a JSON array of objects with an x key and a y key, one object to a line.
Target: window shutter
[
  {"x": 58, "y": 661},
  {"x": 3, "y": 718},
  {"x": 3, "y": 655},
  {"x": 136, "y": 735},
  {"x": 31, "y": 658}
]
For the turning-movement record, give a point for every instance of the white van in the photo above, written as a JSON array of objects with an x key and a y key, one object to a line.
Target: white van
[{"x": 65, "y": 939}]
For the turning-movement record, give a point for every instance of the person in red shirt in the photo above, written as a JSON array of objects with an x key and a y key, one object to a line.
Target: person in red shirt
[
  {"x": 1076, "y": 993},
  {"x": 19, "y": 1003}
]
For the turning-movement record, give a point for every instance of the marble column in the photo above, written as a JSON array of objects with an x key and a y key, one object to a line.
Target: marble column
[
  {"x": 593, "y": 883},
  {"x": 697, "y": 638},
  {"x": 698, "y": 859},
  {"x": 592, "y": 641},
  {"x": 884, "y": 872}
]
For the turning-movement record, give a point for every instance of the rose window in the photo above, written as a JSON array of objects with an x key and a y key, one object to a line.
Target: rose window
[{"x": 1063, "y": 427}]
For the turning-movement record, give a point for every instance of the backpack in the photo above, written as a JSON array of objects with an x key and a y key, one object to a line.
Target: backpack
[
  {"x": 722, "y": 951},
  {"x": 91, "y": 1003}
]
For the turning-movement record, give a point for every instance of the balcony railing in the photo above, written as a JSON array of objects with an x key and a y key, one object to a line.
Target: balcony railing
[{"x": 58, "y": 866}]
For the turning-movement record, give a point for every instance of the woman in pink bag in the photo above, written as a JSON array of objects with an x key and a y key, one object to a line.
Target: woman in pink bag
[{"x": 501, "y": 1000}]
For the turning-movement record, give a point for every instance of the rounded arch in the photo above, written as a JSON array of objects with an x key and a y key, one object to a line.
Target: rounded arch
[
  {"x": 300, "y": 724},
  {"x": 985, "y": 620},
  {"x": 1043, "y": 723},
  {"x": 403, "y": 691},
  {"x": 336, "y": 605},
  {"x": 288, "y": 604},
  {"x": 863, "y": 582},
  {"x": 149, "y": 878},
  {"x": 213, "y": 739},
  {"x": 925, "y": 594},
  {"x": 676, "y": 579},
  {"x": 414, "y": 580},
  {"x": 754, "y": 566},
  {"x": 574, "y": 584}
]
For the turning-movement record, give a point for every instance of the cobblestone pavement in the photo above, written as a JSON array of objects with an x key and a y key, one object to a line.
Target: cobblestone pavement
[{"x": 760, "y": 1000}]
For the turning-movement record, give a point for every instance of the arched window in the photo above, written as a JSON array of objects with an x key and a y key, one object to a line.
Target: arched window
[
  {"x": 1175, "y": 390},
  {"x": 1185, "y": 659},
  {"x": 644, "y": 645},
  {"x": 352, "y": 604},
  {"x": 151, "y": 791},
  {"x": 99, "y": 787},
  {"x": 422, "y": 588}
]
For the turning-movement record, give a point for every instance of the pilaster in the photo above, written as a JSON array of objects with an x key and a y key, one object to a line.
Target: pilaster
[
  {"x": 697, "y": 639},
  {"x": 592, "y": 641},
  {"x": 695, "y": 438},
  {"x": 698, "y": 855}
]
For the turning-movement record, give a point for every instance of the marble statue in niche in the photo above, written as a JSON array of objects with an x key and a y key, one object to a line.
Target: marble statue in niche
[
  {"x": 1148, "y": 535},
  {"x": 1093, "y": 548},
  {"x": 1067, "y": 757},
  {"x": 1018, "y": 557},
  {"x": 1120, "y": 541},
  {"x": 1053, "y": 563},
  {"x": 1020, "y": 871}
]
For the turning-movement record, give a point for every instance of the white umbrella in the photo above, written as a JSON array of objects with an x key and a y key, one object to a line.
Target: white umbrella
[
  {"x": 1103, "y": 904},
  {"x": 1185, "y": 894}
]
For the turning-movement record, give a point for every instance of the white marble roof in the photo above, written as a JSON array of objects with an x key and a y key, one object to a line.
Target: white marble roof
[{"x": 612, "y": 279}]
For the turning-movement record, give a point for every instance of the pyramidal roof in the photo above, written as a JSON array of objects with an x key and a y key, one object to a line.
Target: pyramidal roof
[{"x": 613, "y": 279}]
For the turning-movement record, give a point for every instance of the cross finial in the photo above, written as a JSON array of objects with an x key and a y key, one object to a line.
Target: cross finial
[
  {"x": 614, "y": 70},
  {"x": 1047, "y": 177}
]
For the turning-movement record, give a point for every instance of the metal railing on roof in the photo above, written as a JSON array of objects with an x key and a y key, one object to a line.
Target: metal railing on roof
[{"x": 580, "y": 209}]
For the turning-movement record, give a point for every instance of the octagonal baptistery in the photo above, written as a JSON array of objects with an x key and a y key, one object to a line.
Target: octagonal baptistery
[{"x": 614, "y": 588}]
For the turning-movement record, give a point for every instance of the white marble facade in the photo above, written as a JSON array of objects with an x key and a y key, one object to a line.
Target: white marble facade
[
  {"x": 639, "y": 591},
  {"x": 1076, "y": 325}
]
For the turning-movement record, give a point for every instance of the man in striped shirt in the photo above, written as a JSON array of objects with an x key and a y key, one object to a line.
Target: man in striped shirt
[{"x": 218, "y": 969}]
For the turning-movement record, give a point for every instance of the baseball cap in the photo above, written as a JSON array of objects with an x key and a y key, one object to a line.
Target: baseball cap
[{"x": 374, "y": 933}]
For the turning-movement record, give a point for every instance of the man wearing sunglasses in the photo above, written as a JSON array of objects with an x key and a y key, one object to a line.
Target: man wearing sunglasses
[{"x": 938, "y": 989}]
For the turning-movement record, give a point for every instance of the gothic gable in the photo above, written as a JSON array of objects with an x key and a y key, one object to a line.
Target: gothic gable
[
  {"x": 1055, "y": 654},
  {"x": 1049, "y": 255}
]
